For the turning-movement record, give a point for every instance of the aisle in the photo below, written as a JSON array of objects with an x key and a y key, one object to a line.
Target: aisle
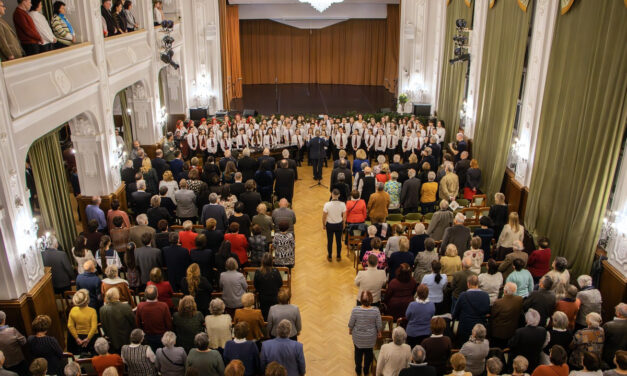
[{"x": 324, "y": 291}]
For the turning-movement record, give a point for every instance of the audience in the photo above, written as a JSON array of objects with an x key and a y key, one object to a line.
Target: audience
[
  {"x": 284, "y": 311},
  {"x": 139, "y": 359},
  {"x": 365, "y": 327},
  {"x": 418, "y": 315},
  {"x": 267, "y": 282},
  {"x": 471, "y": 308},
  {"x": 198, "y": 287},
  {"x": 117, "y": 319},
  {"x": 476, "y": 350},
  {"x": 243, "y": 350},
  {"x": 284, "y": 351},
  {"x": 529, "y": 340},
  {"x": 218, "y": 324},
  {"x": 187, "y": 322},
  {"x": 504, "y": 315},
  {"x": 153, "y": 317},
  {"x": 400, "y": 291},
  {"x": 41, "y": 345},
  {"x": 104, "y": 359},
  {"x": 394, "y": 356},
  {"x": 170, "y": 360}
]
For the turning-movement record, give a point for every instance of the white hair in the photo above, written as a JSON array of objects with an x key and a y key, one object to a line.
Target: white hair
[
  {"x": 419, "y": 228},
  {"x": 431, "y": 176},
  {"x": 246, "y": 152},
  {"x": 101, "y": 346},
  {"x": 479, "y": 332},
  {"x": 399, "y": 336},
  {"x": 142, "y": 219},
  {"x": 532, "y": 317},
  {"x": 559, "y": 320},
  {"x": 285, "y": 153},
  {"x": 418, "y": 354},
  {"x": 372, "y": 230},
  {"x": 141, "y": 184},
  {"x": 510, "y": 288},
  {"x": 584, "y": 280},
  {"x": 443, "y": 204},
  {"x": 71, "y": 369},
  {"x": 168, "y": 339},
  {"x": 460, "y": 218},
  {"x": 593, "y": 319}
]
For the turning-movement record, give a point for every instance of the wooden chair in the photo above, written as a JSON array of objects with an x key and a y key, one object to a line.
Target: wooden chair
[
  {"x": 484, "y": 211},
  {"x": 354, "y": 245},
  {"x": 413, "y": 217},
  {"x": 472, "y": 216},
  {"x": 87, "y": 368},
  {"x": 286, "y": 275},
  {"x": 479, "y": 201},
  {"x": 463, "y": 202},
  {"x": 393, "y": 219},
  {"x": 386, "y": 337}
]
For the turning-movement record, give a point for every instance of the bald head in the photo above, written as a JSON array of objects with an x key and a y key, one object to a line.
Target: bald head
[
  {"x": 467, "y": 262},
  {"x": 283, "y": 203},
  {"x": 89, "y": 266},
  {"x": 473, "y": 282}
]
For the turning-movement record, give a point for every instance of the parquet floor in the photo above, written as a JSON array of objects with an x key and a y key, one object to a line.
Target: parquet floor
[{"x": 324, "y": 291}]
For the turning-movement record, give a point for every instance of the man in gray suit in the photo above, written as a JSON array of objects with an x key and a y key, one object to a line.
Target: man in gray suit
[
  {"x": 136, "y": 232},
  {"x": 215, "y": 211},
  {"x": 458, "y": 234},
  {"x": 410, "y": 193},
  {"x": 62, "y": 271},
  {"x": 507, "y": 267},
  {"x": 4, "y": 372},
  {"x": 147, "y": 258},
  {"x": 186, "y": 203},
  {"x": 441, "y": 220}
]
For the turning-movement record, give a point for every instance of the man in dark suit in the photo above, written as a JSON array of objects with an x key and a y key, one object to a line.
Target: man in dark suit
[
  {"x": 396, "y": 164},
  {"x": 291, "y": 164},
  {"x": 410, "y": 193},
  {"x": 458, "y": 147},
  {"x": 251, "y": 198},
  {"x": 615, "y": 338},
  {"x": 176, "y": 259},
  {"x": 62, "y": 271},
  {"x": 247, "y": 165},
  {"x": 529, "y": 340},
  {"x": 128, "y": 173},
  {"x": 159, "y": 164},
  {"x": 227, "y": 158},
  {"x": 140, "y": 200},
  {"x": 505, "y": 315},
  {"x": 461, "y": 167},
  {"x": 137, "y": 162},
  {"x": 237, "y": 188},
  {"x": 436, "y": 150},
  {"x": 317, "y": 154},
  {"x": 470, "y": 309},
  {"x": 459, "y": 282},
  {"x": 176, "y": 165},
  {"x": 418, "y": 366},
  {"x": 267, "y": 160},
  {"x": 147, "y": 258},
  {"x": 542, "y": 300},
  {"x": 284, "y": 181},
  {"x": 215, "y": 211},
  {"x": 342, "y": 168},
  {"x": 457, "y": 234}
]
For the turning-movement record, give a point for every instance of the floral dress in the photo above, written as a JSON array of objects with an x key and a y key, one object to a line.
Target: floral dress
[
  {"x": 381, "y": 264},
  {"x": 393, "y": 188},
  {"x": 229, "y": 205}
]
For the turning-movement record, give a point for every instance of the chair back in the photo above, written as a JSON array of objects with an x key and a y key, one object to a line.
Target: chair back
[{"x": 479, "y": 200}]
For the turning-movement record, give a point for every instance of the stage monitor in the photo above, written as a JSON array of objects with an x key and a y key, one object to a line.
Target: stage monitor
[
  {"x": 385, "y": 110},
  {"x": 422, "y": 109},
  {"x": 198, "y": 113},
  {"x": 221, "y": 113},
  {"x": 249, "y": 112}
]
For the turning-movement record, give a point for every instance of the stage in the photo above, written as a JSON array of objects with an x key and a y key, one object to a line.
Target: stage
[{"x": 313, "y": 99}]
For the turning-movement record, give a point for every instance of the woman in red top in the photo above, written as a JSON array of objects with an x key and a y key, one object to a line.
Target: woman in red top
[
  {"x": 384, "y": 175},
  {"x": 239, "y": 243},
  {"x": 187, "y": 237},
  {"x": 539, "y": 261},
  {"x": 356, "y": 210},
  {"x": 164, "y": 290}
]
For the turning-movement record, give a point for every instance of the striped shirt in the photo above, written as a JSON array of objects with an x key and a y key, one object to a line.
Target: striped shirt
[{"x": 365, "y": 323}]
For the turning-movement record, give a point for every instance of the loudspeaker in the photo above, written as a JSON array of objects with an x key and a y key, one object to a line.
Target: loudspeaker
[
  {"x": 197, "y": 113},
  {"x": 385, "y": 109},
  {"x": 248, "y": 112},
  {"x": 422, "y": 109},
  {"x": 221, "y": 113}
]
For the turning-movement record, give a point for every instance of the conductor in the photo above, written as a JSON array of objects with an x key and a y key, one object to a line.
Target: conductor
[{"x": 317, "y": 153}]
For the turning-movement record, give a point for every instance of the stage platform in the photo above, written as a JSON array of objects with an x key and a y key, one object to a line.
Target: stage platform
[{"x": 314, "y": 99}]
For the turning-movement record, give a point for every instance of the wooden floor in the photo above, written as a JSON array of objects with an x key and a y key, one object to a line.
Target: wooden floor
[{"x": 324, "y": 291}]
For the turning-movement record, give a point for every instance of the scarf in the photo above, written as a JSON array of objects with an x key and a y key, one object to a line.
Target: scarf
[{"x": 69, "y": 26}]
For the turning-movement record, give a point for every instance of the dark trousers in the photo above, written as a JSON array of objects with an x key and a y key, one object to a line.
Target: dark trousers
[
  {"x": 31, "y": 49},
  {"x": 46, "y": 47},
  {"x": 363, "y": 357},
  {"x": 317, "y": 168},
  {"x": 20, "y": 368},
  {"x": 413, "y": 341},
  {"x": 153, "y": 340},
  {"x": 334, "y": 229}
]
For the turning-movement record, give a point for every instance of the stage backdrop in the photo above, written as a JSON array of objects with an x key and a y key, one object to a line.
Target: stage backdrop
[{"x": 353, "y": 52}]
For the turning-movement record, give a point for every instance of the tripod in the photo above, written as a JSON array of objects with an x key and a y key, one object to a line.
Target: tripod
[{"x": 319, "y": 184}]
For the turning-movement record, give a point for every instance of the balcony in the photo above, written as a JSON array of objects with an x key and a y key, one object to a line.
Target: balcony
[
  {"x": 35, "y": 81},
  {"x": 125, "y": 50}
]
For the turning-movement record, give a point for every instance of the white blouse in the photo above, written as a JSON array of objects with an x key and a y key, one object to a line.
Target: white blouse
[{"x": 41, "y": 23}]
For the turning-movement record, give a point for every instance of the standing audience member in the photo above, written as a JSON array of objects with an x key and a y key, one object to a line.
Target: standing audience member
[
  {"x": 61, "y": 269},
  {"x": 187, "y": 322},
  {"x": 239, "y": 242},
  {"x": 104, "y": 359},
  {"x": 394, "y": 356},
  {"x": 170, "y": 360},
  {"x": 507, "y": 266},
  {"x": 284, "y": 246},
  {"x": 492, "y": 281},
  {"x": 615, "y": 337},
  {"x": 476, "y": 350},
  {"x": 216, "y": 211},
  {"x": 131, "y": 25},
  {"x": 424, "y": 260},
  {"x": 372, "y": 280},
  {"x": 542, "y": 300},
  {"x": 400, "y": 291},
  {"x": 242, "y": 350},
  {"x": 139, "y": 359},
  {"x": 117, "y": 319},
  {"x": 82, "y": 324},
  {"x": 218, "y": 324},
  {"x": 560, "y": 335},
  {"x": 458, "y": 362},
  {"x": 589, "y": 339},
  {"x": 177, "y": 259},
  {"x": 569, "y": 305},
  {"x": 267, "y": 282},
  {"x": 198, "y": 287},
  {"x": 512, "y": 231},
  {"x": 378, "y": 204},
  {"x": 164, "y": 289},
  {"x": 499, "y": 213},
  {"x": 10, "y": 48},
  {"x": 41, "y": 345},
  {"x": 557, "y": 367},
  {"x": 418, "y": 365},
  {"x": 539, "y": 261},
  {"x": 457, "y": 234},
  {"x": 90, "y": 281},
  {"x": 418, "y": 315},
  {"x": 333, "y": 220},
  {"x": 39, "y": 367},
  {"x": 410, "y": 193},
  {"x": 43, "y": 28},
  {"x": 560, "y": 277},
  {"x": 365, "y": 327},
  {"x": 417, "y": 242},
  {"x": 250, "y": 315},
  {"x": 284, "y": 311},
  {"x": 504, "y": 315},
  {"x": 153, "y": 317},
  {"x": 436, "y": 282},
  {"x": 284, "y": 351},
  {"x": 529, "y": 340},
  {"x": 451, "y": 262},
  {"x": 185, "y": 199},
  {"x": 589, "y": 298},
  {"x": 11, "y": 342},
  {"x": 441, "y": 220},
  {"x": 233, "y": 285},
  {"x": 522, "y": 278},
  {"x": 470, "y": 309}
]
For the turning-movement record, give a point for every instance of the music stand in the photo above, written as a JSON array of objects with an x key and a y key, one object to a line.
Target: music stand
[{"x": 319, "y": 184}]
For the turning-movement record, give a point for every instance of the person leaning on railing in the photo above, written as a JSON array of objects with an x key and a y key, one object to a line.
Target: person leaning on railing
[{"x": 61, "y": 26}]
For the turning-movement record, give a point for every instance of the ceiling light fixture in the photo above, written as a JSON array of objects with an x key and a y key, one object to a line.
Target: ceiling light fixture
[{"x": 321, "y": 5}]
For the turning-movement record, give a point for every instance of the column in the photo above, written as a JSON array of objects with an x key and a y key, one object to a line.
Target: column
[
  {"x": 524, "y": 146},
  {"x": 174, "y": 92},
  {"x": 145, "y": 122},
  {"x": 421, "y": 47},
  {"x": 203, "y": 68},
  {"x": 477, "y": 36}
]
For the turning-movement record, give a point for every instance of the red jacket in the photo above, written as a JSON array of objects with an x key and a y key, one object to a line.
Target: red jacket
[
  {"x": 25, "y": 27},
  {"x": 356, "y": 211},
  {"x": 539, "y": 262},
  {"x": 239, "y": 245},
  {"x": 153, "y": 317}
]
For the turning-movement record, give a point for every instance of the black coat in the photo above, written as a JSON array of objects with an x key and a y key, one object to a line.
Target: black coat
[
  {"x": 157, "y": 214},
  {"x": 237, "y": 189},
  {"x": 177, "y": 260},
  {"x": 410, "y": 193},
  {"x": 247, "y": 166},
  {"x": 267, "y": 161},
  {"x": 284, "y": 183},
  {"x": 348, "y": 178},
  {"x": 214, "y": 239},
  {"x": 542, "y": 301},
  {"x": 160, "y": 166},
  {"x": 251, "y": 200},
  {"x": 140, "y": 202},
  {"x": 528, "y": 342}
]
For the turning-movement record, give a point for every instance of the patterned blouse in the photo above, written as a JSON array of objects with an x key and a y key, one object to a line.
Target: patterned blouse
[
  {"x": 381, "y": 256},
  {"x": 258, "y": 246},
  {"x": 229, "y": 205},
  {"x": 587, "y": 339},
  {"x": 393, "y": 188},
  {"x": 283, "y": 244}
]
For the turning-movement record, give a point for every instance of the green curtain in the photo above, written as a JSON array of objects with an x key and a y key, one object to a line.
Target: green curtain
[
  {"x": 504, "y": 48},
  {"x": 52, "y": 188},
  {"x": 583, "y": 119},
  {"x": 46, "y": 9},
  {"x": 126, "y": 121},
  {"x": 453, "y": 81}
]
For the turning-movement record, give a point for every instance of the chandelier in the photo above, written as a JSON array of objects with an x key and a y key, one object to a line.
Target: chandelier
[{"x": 321, "y": 5}]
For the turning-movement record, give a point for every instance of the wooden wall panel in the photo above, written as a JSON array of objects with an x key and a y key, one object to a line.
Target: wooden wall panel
[
  {"x": 105, "y": 205},
  {"x": 613, "y": 287},
  {"x": 515, "y": 194}
]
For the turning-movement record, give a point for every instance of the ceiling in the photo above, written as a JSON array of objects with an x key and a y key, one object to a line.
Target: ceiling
[{"x": 304, "y": 16}]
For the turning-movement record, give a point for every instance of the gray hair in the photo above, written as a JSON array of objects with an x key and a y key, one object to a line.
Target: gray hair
[
  {"x": 419, "y": 228},
  {"x": 168, "y": 339},
  {"x": 3, "y": 316},
  {"x": 593, "y": 319},
  {"x": 494, "y": 365},
  {"x": 216, "y": 307},
  {"x": 411, "y": 173},
  {"x": 238, "y": 175},
  {"x": 520, "y": 364},
  {"x": 142, "y": 219},
  {"x": 285, "y": 153},
  {"x": 479, "y": 332},
  {"x": 621, "y": 310},
  {"x": 52, "y": 242},
  {"x": 560, "y": 320},
  {"x": 201, "y": 340},
  {"x": 449, "y": 167},
  {"x": 141, "y": 184},
  {"x": 213, "y": 198},
  {"x": 71, "y": 369},
  {"x": 284, "y": 328},
  {"x": 510, "y": 288},
  {"x": 230, "y": 264},
  {"x": 110, "y": 371},
  {"x": 431, "y": 176},
  {"x": 372, "y": 230},
  {"x": 418, "y": 354},
  {"x": 394, "y": 175},
  {"x": 151, "y": 292},
  {"x": 399, "y": 336},
  {"x": 246, "y": 152},
  {"x": 101, "y": 346},
  {"x": 532, "y": 317},
  {"x": 111, "y": 271},
  {"x": 584, "y": 280},
  {"x": 381, "y": 159},
  {"x": 137, "y": 336},
  {"x": 443, "y": 204},
  {"x": 460, "y": 218}
]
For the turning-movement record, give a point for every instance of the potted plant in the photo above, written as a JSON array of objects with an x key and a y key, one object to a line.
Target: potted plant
[{"x": 402, "y": 100}]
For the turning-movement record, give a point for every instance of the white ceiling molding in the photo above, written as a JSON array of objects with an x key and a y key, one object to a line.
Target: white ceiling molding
[
  {"x": 301, "y": 11},
  {"x": 309, "y": 24},
  {"x": 262, "y": 2}
]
